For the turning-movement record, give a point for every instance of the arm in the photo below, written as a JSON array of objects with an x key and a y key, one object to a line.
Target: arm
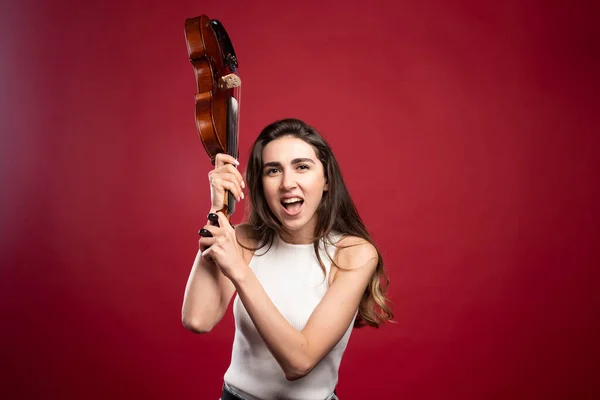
[
  {"x": 207, "y": 295},
  {"x": 208, "y": 292},
  {"x": 299, "y": 352}
]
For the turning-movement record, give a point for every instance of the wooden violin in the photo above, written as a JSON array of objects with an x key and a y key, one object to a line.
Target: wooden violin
[{"x": 219, "y": 90}]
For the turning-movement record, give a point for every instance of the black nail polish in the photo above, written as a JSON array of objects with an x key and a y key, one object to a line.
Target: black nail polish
[
  {"x": 213, "y": 217},
  {"x": 205, "y": 233}
]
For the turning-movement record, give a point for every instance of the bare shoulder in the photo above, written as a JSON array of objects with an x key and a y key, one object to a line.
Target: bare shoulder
[
  {"x": 355, "y": 252},
  {"x": 245, "y": 235}
]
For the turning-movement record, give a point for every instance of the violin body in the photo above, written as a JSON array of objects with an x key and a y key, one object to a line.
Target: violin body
[{"x": 219, "y": 88}]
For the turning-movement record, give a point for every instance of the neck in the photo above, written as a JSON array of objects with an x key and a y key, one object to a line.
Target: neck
[
  {"x": 302, "y": 235},
  {"x": 295, "y": 238}
]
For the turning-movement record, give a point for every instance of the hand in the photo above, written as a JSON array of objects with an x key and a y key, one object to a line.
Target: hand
[
  {"x": 224, "y": 177},
  {"x": 223, "y": 249}
]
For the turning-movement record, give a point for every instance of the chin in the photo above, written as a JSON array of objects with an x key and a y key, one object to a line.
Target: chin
[
  {"x": 293, "y": 226},
  {"x": 298, "y": 226}
]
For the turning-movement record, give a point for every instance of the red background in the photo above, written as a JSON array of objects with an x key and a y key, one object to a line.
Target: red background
[{"x": 467, "y": 133}]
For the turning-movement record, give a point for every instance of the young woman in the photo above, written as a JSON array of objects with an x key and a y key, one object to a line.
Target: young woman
[{"x": 304, "y": 268}]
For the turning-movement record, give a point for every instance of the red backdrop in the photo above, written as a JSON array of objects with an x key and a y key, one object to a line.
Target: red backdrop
[{"x": 466, "y": 132}]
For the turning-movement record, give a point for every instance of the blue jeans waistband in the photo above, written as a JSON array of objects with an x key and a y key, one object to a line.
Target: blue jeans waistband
[{"x": 229, "y": 393}]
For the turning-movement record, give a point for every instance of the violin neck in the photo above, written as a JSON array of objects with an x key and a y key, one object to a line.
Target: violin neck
[{"x": 233, "y": 107}]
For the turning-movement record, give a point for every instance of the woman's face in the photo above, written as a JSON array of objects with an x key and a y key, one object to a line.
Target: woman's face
[{"x": 294, "y": 181}]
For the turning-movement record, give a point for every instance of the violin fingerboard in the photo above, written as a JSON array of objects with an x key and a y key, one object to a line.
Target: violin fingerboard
[
  {"x": 230, "y": 204},
  {"x": 232, "y": 142}
]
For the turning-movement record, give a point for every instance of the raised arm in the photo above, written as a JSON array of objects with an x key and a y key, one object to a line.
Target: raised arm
[
  {"x": 207, "y": 295},
  {"x": 208, "y": 292},
  {"x": 299, "y": 352}
]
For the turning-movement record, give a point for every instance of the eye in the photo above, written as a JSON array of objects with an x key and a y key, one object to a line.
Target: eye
[
  {"x": 271, "y": 171},
  {"x": 302, "y": 167}
]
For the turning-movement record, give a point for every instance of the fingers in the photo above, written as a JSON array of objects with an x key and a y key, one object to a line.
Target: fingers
[
  {"x": 228, "y": 178},
  {"x": 223, "y": 221},
  {"x": 232, "y": 170},
  {"x": 213, "y": 218},
  {"x": 210, "y": 231},
  {"x": 205, "y": 233},
  {"x": 221, "y": 159},
  {"x": 208, "y": 238},
  {"x": 210, "y": 246},
  {"x": 205, "y": 243},
  {"x": 206, "y": 253},
  {"x": 233, "y": 187},
  {"x": 236, "y": 182},
  {"x": 214, "y": 238}
]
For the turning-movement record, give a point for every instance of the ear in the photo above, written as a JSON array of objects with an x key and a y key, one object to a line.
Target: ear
[{"x": 326, "y": 187}]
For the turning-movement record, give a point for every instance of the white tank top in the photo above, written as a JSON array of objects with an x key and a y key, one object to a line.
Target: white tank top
[{"x": 294, "y": 281}]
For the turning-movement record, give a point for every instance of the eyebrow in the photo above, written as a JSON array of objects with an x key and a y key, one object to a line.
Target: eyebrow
[{"x": 294, "y": 161}]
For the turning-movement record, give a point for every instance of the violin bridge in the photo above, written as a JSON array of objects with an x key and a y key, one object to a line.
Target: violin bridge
[{"x": 230, "y": 81}]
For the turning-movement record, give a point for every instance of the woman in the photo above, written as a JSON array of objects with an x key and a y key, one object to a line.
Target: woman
[{"x": 304, "y": 268}]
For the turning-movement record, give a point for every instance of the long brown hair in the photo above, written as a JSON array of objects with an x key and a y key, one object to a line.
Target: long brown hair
[{"x": 336, "y": 212}]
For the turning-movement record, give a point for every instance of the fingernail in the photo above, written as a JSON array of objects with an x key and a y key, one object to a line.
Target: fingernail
[
  {"x": 243, "y": 185},
  {"x": 237, "y": 162},
  {"x": 205, "y": 233},
  {"x": 242, "y": 195},
  {"x": 212, "y": 217}
]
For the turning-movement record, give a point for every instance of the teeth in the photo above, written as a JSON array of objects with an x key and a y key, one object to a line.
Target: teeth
[{"x": 291, "y": 200}]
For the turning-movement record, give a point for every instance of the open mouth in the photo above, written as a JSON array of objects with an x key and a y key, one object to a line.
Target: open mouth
[{"x": 292, "y": 205}]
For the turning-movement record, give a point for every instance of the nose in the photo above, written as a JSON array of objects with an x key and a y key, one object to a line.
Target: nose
[{"x": 288, "y": 181}]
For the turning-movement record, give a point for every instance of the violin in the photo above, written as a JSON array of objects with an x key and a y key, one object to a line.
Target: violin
[{"x": 219, "y": 90}]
